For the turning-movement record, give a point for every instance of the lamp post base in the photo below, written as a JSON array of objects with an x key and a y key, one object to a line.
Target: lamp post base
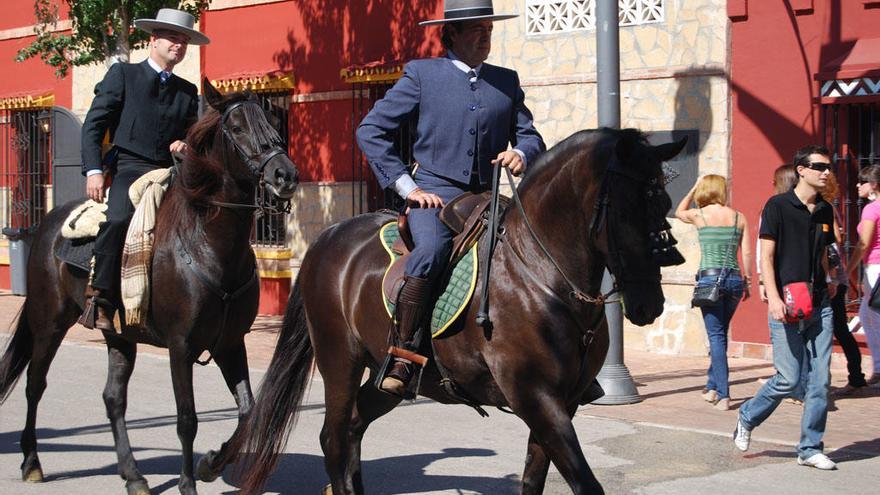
[{"x": 618, "y": 385}]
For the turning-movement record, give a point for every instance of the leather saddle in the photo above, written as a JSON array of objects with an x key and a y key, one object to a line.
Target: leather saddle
[{"x": 467, "y": 216}]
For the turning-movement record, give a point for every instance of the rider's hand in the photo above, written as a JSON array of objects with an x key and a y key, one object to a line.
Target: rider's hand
[
  {"x": 95, "y": 187},
  {"x": 776, "y": 309},
  {"x": 511, "y": 160},
  {"x": 177, "y": 146},
  {"x": 422, "y": 199},
  {"x": 762, "y": 292}
]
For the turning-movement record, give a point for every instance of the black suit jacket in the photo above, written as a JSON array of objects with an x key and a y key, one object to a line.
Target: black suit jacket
[{"x": 143, "y": 117}]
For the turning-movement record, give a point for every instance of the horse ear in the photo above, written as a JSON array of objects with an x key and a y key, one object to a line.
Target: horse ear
[
  {"x": 668, "y": 151},
  {"x": 627, "y": 143},
  {"x": 213, "y": 97}
]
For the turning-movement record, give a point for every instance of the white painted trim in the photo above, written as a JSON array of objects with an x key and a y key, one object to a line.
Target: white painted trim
[
  {"x": 233, "y": 4},
  {"x": 24, "y": 32},
  {"x": 629, "y": 75},
  {"x": 325, "y": 96}
]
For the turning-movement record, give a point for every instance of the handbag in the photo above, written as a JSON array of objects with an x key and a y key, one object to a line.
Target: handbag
[
  {"x": 709, "y": 295},
  {"x": 798, "y": 299}
]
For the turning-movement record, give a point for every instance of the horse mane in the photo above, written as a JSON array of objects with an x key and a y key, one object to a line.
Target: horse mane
[{"x": 602, "y": 140}]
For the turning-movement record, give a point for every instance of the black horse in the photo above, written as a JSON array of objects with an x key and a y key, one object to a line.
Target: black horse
[
  {"x": 594, "y": 200},
  {"x": 205, "y": 290}
]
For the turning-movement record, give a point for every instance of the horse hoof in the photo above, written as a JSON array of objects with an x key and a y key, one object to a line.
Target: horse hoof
[
  {"x": 34, "y": 475},
  {"x": 137, "y": 487},
  {"x": 328, "y": 490},
  {"x": 203, "y": 469}
]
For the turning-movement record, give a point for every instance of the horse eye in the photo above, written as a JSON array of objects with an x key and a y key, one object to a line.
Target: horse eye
[{"x": 237, "y": 130}]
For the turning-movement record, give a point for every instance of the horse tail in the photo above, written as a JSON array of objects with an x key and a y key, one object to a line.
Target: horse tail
[
  {"x": 265, "y": 434},
  {"x": 16, "y": 357}
]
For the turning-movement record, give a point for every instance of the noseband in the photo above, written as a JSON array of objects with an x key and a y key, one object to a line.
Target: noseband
[{"x": 257, "y": 166}]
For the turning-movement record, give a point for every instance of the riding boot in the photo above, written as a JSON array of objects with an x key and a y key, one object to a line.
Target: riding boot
[
  {"x": 98, "y": 311},
  {"x": 414, "y": 299}
]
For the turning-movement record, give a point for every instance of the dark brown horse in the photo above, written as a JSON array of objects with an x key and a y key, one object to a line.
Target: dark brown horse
[
  {"x": 595, "y": 200},
  {"x": 205, "y": 290}
]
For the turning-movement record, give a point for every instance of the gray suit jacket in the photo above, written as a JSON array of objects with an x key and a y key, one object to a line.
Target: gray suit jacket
[{"x": 456, "y": 120}]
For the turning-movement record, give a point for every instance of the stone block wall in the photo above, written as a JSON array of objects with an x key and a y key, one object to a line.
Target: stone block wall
[{"x": 673, "y": 76}]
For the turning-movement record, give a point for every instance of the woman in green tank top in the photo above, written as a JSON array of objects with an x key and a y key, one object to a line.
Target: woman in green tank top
[{"x": 723, "y": 232}]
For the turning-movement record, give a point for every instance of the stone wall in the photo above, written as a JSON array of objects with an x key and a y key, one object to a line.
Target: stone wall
[
  {"x": 673, "y": 76},
  {"x": 314, "y": 207}
]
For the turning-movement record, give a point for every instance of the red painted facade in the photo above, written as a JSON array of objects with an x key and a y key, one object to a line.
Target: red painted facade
[
  {"x": 778, "y": 50},
  {"x": 315, "y": 40}
]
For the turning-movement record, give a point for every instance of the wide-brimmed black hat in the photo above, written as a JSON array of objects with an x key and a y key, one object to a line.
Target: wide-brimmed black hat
[
  {"x": 468, "y": 10},
  {"x": 173, "y": 20}
]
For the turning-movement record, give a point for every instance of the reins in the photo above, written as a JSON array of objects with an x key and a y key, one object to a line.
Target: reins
[{"x": 575, "y": 293}]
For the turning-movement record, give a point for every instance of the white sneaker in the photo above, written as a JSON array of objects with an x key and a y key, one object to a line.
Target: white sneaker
[
  {"x": 818, "y": 461},
  {"x": 742, "y": 436}
]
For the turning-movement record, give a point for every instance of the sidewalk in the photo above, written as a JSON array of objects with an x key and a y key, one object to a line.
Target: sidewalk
[{"x": 669, "y": 386}]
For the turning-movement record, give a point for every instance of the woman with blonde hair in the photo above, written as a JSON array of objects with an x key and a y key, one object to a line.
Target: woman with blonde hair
[{"x": 722, "y": 232}]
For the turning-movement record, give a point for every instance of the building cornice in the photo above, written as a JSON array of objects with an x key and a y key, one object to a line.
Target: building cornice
[
  {"x": 24, "y": 102},
  {"x": 257, "y": 82},
  {"x": 24, "y": 32},
  {"x": 234, "y": 4}
]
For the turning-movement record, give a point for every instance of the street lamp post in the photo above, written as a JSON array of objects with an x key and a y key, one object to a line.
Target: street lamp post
[{"x": 614, "y": 376}]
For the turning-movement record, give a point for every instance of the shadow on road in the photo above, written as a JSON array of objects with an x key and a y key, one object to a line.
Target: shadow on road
[{"x": 303, "y": 473}]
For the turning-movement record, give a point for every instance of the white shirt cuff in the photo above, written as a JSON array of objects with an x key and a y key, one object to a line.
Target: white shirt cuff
[
  {"x": 93, "y": 171},
  {"x": 404, "y": 185},
  {"x": 523, "y": 156}
]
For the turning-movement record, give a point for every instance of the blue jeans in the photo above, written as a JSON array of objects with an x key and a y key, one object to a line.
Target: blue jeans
[
  {"x": 717, "y": 320},
  {"x": 798, "y": 350}
]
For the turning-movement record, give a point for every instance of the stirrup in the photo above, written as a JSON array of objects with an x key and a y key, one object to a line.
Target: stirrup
[
  {"x": 90, "y": 313},
  {"x": 411, "y": 358}
]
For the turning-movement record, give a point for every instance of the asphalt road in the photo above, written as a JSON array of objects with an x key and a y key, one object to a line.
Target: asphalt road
[{"x": 437, "y": 450}]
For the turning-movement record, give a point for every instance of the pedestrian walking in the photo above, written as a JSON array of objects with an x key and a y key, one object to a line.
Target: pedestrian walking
[
  {"x": 723, "y": 232},
  {"x": 796, "y": 229},
  {"x": 867, "y": 250}
]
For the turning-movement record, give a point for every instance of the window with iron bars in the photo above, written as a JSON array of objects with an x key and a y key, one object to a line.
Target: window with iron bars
[
  {"x": 367, "y": 195},
  {"x": 270, "y": 229},
  {"x": 24, "y": 167},
  {"x": 852, "y": 134}
]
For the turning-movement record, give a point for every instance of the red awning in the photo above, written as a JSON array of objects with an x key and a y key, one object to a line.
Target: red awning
[{"x": 863, "y": 60}]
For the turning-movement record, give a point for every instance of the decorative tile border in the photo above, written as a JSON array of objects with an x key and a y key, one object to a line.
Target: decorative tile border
[{"x": 566, "y": 16}]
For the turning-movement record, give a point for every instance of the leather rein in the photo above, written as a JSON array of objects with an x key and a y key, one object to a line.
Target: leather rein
[{"x": 599, "y": 219}]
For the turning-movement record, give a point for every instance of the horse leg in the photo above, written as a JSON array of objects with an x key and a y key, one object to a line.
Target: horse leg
[
  {"x": 43, "y": 352},
  {"x": 550, "y": 423},
  {"x": 537, "y": 464},
  {"x": 187, "y": 422},
  {"x": 121, "y": 356},
  {"x": 233, "y": 364},
  {"x": 341, "y": 382},
  {"x": 371, "y": 404}
]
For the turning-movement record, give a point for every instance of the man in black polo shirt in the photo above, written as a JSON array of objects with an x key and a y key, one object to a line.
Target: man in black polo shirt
[{"x": 796, "y": 228}]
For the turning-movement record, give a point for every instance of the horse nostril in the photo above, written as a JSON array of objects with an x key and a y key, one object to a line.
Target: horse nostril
[{"x": 284, "y": 176}]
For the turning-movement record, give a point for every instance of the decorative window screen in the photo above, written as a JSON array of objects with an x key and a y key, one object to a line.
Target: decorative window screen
[{"x": 565, "y": 16}]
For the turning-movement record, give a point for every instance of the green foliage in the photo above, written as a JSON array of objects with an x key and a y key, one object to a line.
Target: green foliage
[{"x": 100, "y": 29}]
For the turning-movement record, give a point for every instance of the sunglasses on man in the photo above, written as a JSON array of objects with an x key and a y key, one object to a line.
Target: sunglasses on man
[{"x": 819, "y": 166}]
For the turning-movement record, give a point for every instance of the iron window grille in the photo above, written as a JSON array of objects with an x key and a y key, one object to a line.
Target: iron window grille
[
  {"x": 24, "y": 166},
  {"x": 270, "y": 229}
]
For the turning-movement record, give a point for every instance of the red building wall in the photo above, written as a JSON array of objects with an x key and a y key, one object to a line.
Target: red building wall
[
  {"x": 315, "y": 39},
  {"x": 777, "y": 48}
]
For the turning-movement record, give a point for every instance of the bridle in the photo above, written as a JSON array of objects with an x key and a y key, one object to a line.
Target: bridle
[
  {"x": 256, "y": 164},
  {"x": 661, "y": 241}
]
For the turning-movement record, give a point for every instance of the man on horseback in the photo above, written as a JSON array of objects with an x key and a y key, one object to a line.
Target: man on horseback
[
  {"x": 147, "y": 110},
  {"x": 467, "y": 112}
]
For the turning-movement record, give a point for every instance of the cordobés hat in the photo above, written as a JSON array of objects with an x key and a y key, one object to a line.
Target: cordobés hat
[
  {"x": 173, "y": 20},
  {"x": 468, "y": 10}
]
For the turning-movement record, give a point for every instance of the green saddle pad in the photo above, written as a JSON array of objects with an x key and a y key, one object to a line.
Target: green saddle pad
[{"x": 456, "y": 293}]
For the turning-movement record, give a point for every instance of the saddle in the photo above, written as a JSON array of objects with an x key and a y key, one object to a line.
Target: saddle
[{"x": 467, "y": 217}]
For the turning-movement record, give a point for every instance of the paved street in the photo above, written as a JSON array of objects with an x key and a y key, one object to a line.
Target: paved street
[{"x": 671, "y": 443}]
